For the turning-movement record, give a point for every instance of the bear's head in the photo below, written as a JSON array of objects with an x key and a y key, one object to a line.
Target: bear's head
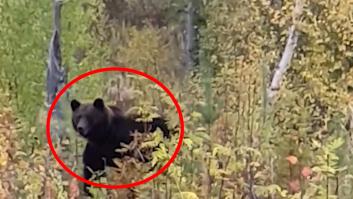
[{"x": 90, "y": 120}]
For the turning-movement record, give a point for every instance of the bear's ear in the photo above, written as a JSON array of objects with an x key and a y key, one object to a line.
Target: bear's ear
[
  {"x": 75, "y": 104},
  {"x": 98, "y": 103}
]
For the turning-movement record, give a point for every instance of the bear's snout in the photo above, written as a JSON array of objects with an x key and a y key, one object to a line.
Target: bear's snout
[
  {"x": 80, "y": 130},
  {"x": 82, "y": 127}
]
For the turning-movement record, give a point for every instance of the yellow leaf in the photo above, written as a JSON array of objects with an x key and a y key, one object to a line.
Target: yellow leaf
[
  {"x": 188, "y": 195},
  {"x": 3, "y": 159},
  {"x": 196, "y": 115},
  {"x": 33, "y": 129},
  {"x": 292, "y": 159}
]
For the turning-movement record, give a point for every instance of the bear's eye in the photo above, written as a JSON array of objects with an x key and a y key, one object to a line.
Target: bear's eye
[
  {"x": 90, "y": 120},
  {"x": 77, "y": 118}
]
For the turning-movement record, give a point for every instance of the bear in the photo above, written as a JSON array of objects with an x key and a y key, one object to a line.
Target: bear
[{"x": 105, "y": 127}]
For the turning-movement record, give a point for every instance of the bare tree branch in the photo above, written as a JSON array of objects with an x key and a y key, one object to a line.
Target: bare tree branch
[
  {"x": 189, "y": 35},
  {"x": 55, "y": 73},
  {"x": 288, "y": 52}
]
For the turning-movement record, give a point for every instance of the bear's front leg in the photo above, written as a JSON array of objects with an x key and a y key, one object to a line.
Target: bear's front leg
[{"x": 93, "y": 162}]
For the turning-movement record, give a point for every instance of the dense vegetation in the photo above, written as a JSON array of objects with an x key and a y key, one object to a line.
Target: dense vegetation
[{"x": 238, "y": 142}]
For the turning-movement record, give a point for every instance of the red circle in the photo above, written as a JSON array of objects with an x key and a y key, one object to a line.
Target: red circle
[{"x": 114, "y": 68}]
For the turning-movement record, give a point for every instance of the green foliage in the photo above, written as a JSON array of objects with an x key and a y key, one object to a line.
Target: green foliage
[
  {"x": 25, "y": 32},
  {"x": 234, "y": 146},
  {"x": 22, "y": 52}
]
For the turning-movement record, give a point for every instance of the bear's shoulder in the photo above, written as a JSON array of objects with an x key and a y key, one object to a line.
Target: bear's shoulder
[
  {"x": 116, "y": 110},
  {"x": 120, "y": 115}
]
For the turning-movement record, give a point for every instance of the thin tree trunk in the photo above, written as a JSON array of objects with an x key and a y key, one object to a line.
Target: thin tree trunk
[
  {"x": 189, "y": 35},
  {"x": 56, "y": 75},
  {"x": 287, "y": 55}
]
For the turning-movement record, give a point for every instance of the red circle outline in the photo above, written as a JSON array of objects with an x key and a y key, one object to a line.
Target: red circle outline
[{"x": 123, "y": 69}]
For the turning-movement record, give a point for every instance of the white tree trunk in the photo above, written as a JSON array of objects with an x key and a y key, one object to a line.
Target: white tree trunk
[{"x": 287, "y": 55}]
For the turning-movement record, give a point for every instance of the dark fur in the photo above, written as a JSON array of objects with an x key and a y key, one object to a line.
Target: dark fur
[{"x": 104, "y": 128}]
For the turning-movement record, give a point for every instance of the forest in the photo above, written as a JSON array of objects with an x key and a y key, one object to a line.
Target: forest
[{"x": 265, "y": 88}]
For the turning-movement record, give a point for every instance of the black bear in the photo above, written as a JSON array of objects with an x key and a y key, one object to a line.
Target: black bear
[{"x": 105, "y": 127}]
